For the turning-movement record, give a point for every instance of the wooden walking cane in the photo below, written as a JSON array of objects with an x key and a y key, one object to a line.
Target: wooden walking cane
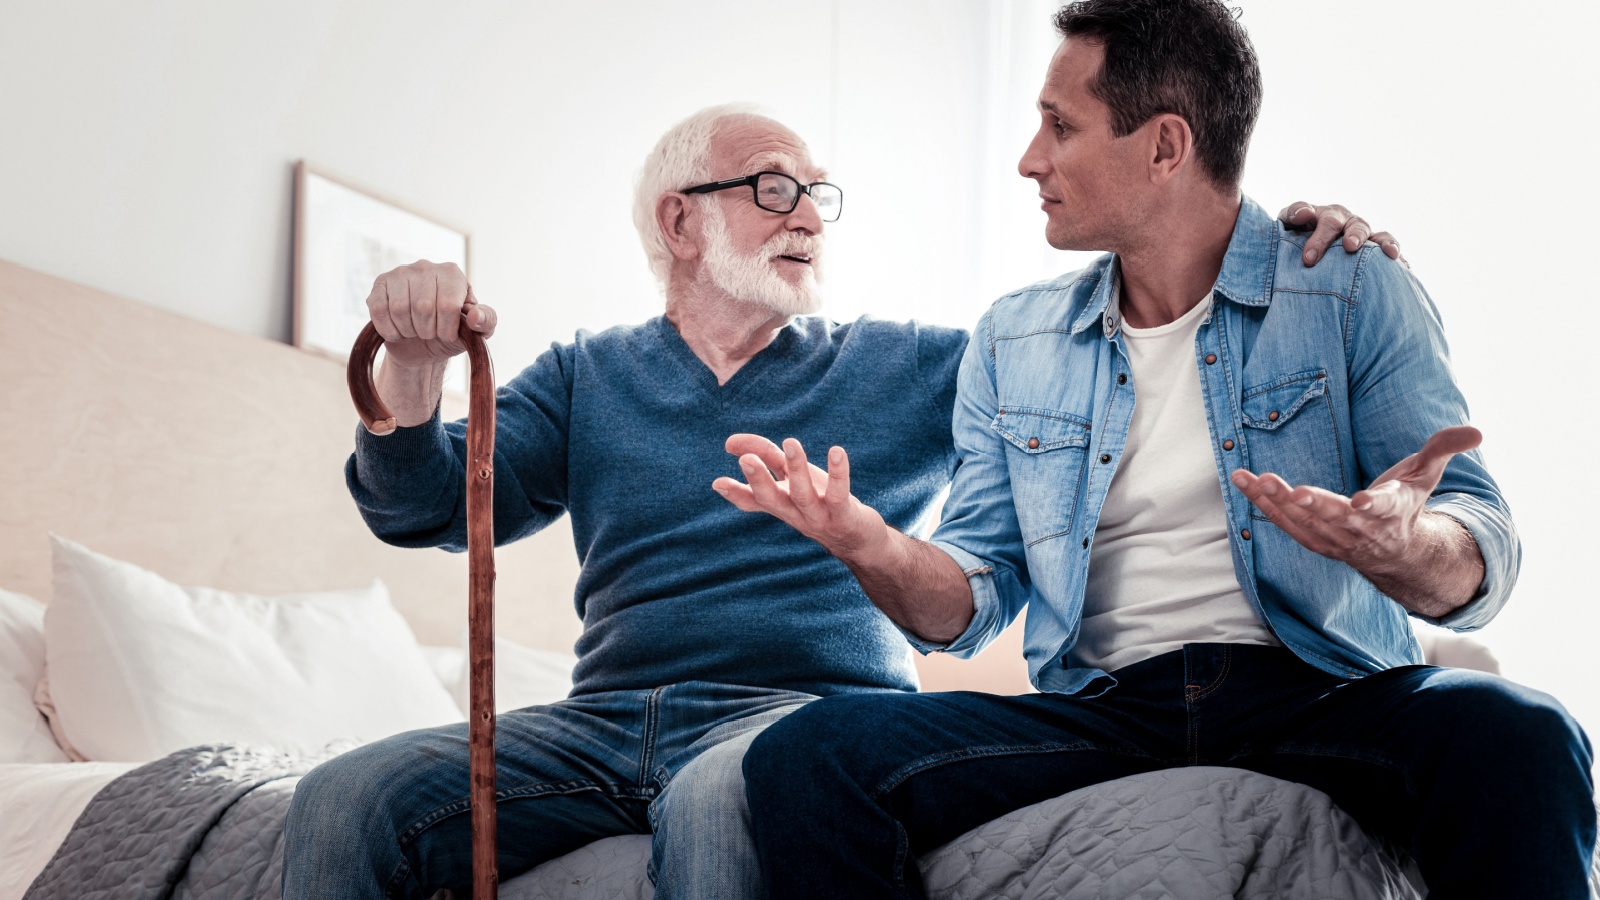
[{"x": 480, "y": 567}]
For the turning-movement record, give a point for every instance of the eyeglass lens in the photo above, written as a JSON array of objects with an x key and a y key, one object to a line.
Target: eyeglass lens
[{"x": 780, "y": 193}]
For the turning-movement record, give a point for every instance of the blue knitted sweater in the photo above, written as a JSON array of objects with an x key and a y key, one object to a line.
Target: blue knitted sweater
[{"x": 624, "y": 430}]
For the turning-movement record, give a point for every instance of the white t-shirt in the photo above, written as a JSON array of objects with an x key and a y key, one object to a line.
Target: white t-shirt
[{"x": 1161, "y": 573}]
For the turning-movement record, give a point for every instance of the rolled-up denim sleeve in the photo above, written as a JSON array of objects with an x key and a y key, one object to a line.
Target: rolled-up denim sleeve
[
  {"x": 1496, "y": 535},
  {"x": 979, "y": 527},
  {"x": 1402, "y": 390}
]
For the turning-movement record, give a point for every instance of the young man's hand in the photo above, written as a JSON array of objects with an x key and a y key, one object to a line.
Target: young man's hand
[{"x": 1426, "y": 561}]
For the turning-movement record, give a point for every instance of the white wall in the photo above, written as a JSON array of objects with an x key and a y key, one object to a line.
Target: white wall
[{"x": 145, "y": 148}]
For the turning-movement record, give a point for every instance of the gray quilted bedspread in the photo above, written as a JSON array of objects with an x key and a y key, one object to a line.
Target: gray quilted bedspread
[
  {"x": 207, "y": 824},
  {"x": 1179, "y": 834},
  {"x": 199, "y": 824}
]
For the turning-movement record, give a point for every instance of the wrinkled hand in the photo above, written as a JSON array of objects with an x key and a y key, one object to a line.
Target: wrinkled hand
[
  {"x": 418, "y": 309},
  {"x": 1373, "y": 529},
  {"x": 816, "y": 503},
  {"x": 1328, "y": 222}
]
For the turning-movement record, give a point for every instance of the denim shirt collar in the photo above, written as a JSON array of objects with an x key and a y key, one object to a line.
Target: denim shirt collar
[
  {"x": 1252, "y": 253},
  {"x": 1246, "y": 270}
]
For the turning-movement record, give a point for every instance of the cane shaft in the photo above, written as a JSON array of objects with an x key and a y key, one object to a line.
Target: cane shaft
[
  {"x": 480, "y": 613},
  {"x": 480, "y": 567}
]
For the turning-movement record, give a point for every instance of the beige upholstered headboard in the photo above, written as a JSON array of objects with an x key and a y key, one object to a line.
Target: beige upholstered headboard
[{"x": 215, "y": 458}]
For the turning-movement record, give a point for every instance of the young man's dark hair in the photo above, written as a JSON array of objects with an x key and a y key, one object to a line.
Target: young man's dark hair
[{"x": 1187, "y": 57}]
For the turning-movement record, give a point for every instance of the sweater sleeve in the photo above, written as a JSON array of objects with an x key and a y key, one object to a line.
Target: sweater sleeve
[
  {"x": 939, "y": 352},
  {"x": 410, "y": 485}
]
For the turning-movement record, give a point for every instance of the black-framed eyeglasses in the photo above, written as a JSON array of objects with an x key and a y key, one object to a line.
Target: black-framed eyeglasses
[{"x": 779, "y": 193}]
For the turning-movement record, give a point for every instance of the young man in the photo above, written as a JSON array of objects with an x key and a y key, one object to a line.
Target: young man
[{"x": 1181, "y": 609}]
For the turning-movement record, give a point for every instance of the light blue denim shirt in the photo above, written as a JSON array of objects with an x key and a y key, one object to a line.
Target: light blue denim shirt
[{"x": 1327, "y": 376}]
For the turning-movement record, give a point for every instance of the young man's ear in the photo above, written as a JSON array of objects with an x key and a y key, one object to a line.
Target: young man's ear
[
  {"x": 678, "y": 220},
  {"x": 1171, "y": 146}
]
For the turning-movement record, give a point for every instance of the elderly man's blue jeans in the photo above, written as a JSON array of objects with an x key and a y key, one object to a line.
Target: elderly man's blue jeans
[
  {"x": 1484, "y": 782},
  {"x": 390, "y": 819}
]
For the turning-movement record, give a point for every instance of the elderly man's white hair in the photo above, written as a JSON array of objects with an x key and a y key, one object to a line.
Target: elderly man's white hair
[{"x": 682, "y": 158}]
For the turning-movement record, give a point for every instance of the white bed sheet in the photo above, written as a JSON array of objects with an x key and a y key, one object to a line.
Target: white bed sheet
[{"x": 38, "y": 804}]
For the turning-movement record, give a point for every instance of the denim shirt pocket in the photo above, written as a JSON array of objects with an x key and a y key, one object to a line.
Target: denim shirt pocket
[
  {"x": 1045, "y": 451},
  {"x": 1291, "y": 431}
]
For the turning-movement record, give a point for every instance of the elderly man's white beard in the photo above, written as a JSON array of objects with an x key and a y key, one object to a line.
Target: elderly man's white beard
[{"x": 754, "y": 278}]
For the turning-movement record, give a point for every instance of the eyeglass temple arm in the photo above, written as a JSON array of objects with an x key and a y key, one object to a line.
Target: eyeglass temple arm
[{"x": 723, "y": 185}]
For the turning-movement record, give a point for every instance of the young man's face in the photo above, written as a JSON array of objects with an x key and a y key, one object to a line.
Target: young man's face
[{"x": 1089, "y": 180}]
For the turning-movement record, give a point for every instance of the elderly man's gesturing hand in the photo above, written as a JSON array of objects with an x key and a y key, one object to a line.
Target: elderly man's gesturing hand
[
  {"x": 816, "y": 503},
  {"x": 1426, "y": 561},
  {"x": 914, "y": 583}
]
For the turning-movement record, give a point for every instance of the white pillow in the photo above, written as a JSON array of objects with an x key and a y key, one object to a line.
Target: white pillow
[
  {"x": 140, "y": 667},
  {"x": 523, "y": 676},
  {"x": 1443, "y": 647},
  {"x": 24, "y": 735},
  {"x": 446, "y": 663}
]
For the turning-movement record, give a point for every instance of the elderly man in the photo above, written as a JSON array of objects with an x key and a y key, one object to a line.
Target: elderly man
[
  {"x": 1181, "y": 610},
  {"x": 702, "y": 626}
]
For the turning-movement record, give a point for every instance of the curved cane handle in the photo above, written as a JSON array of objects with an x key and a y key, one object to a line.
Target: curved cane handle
[{"x": 358, "y": 374}]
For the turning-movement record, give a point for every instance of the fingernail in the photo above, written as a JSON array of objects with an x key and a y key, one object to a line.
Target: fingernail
[
  {"x": 1303, "y": 501},
  {"x": 836, "y": 455},
  {"x": 1269, "y": 489},
  {"x": 748, "y": 465},
  {"x": 1311, "y": 255}
]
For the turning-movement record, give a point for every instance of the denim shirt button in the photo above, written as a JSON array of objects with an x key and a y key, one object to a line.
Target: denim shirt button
[
  {"x": 1033, "y": 443},
  {"x": 1105, "y": 458},
  {"x": 1227, "y": 444},
  {"x": 1244, "y": 533},
  {"x": 1272, "y": 416},
  {"x": 1122, "y": 379},
  {"x": 1210, "y": 358},
  {"x": 1085, "y": 543}
]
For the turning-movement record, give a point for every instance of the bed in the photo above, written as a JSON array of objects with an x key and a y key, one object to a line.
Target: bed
[{"x": 145, "y": 452}]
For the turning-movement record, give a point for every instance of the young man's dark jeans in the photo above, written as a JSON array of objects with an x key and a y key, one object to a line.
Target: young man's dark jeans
[{"x": 1485, "y": 782}]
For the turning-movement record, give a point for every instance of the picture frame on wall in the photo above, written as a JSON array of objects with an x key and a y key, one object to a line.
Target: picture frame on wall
[{"x": 345, "y": 236}]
